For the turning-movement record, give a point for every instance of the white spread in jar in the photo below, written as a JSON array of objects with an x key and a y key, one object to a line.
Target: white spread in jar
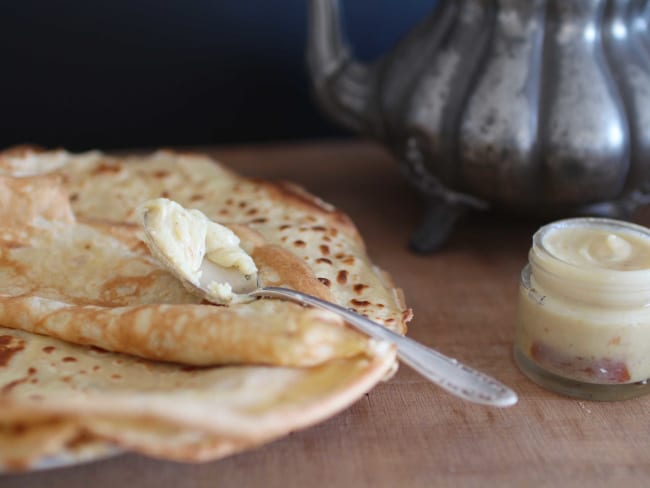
[
  {"x": 187, "y": 242},
  {"x": 584, "y": 301},
  {"x": 598, "y": 248}
]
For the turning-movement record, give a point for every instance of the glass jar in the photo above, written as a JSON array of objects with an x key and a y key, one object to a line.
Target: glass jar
[{"x": 583, "y": 316}]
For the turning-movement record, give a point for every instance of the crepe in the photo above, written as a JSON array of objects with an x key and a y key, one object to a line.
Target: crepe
[
  {"x": 109, "y": 189},
  {"x": 163, "y": 409},
  {"x": 72, "y": 266}
]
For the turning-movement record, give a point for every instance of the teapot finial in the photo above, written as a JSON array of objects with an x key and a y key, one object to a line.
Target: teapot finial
[{"x": 343, "y": 86}]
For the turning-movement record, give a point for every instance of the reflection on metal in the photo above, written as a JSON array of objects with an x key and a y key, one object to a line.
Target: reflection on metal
[{"x": 541, "y": 106}]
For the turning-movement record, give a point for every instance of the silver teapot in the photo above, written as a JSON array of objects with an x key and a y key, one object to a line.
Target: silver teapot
[{"x": 537, "y": 106}]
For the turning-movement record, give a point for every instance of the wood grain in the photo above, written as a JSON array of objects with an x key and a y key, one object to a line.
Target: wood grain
[{"x": 407, "y": 432}]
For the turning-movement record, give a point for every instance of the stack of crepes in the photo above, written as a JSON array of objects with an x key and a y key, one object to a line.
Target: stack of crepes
[{"x": 102, "y": 350}]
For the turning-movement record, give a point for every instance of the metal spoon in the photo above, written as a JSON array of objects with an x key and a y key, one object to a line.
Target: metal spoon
[
  {"x": 448, "y": 373},
  {"x": 445, "y": 372}
]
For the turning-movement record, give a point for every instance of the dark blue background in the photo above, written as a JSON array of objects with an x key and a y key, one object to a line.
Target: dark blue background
[{"x": 82, "y": 74}]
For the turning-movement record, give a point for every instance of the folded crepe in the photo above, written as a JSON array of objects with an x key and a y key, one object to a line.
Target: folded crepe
[
  {"x": 96, "y": 285},
  {"x": 73, "y": 267},
  {"x": 57, "y": 397}
]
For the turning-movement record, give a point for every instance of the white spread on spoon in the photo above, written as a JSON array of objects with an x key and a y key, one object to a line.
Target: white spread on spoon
[{"x": 200, "y": 252}]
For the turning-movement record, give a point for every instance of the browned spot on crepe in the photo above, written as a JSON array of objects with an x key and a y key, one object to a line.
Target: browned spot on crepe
[
  {"x": 108, "y": 168},
  {"x": 342, "y": 277},
  {"x": 9, "y": 346},
  {"x": 359, "y": 287}
]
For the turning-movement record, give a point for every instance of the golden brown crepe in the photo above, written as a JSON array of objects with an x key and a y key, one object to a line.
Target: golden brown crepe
[
  {"x": 82, "y": 284},
  {"x": 110, "y": 189},
  {"x": 162, "y": 409},
  {"x": 72, "y": 266}
]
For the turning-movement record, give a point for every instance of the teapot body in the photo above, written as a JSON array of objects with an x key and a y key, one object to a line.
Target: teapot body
[{"x": 540, "y": 106}]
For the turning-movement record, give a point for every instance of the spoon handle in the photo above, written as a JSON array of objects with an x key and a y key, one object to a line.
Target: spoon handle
[{"x": 445, "y": 372}]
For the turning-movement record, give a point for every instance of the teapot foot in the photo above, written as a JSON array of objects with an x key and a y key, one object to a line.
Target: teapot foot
[
  {"x": 624, "y": 208},
  {"x": 436, "y": 227}
]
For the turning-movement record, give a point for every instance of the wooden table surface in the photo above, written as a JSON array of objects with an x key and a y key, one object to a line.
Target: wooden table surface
[{"x": 407, "y": 432}]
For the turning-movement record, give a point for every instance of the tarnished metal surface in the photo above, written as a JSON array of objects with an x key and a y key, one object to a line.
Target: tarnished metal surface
[{"x": 540, "y": 106}]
